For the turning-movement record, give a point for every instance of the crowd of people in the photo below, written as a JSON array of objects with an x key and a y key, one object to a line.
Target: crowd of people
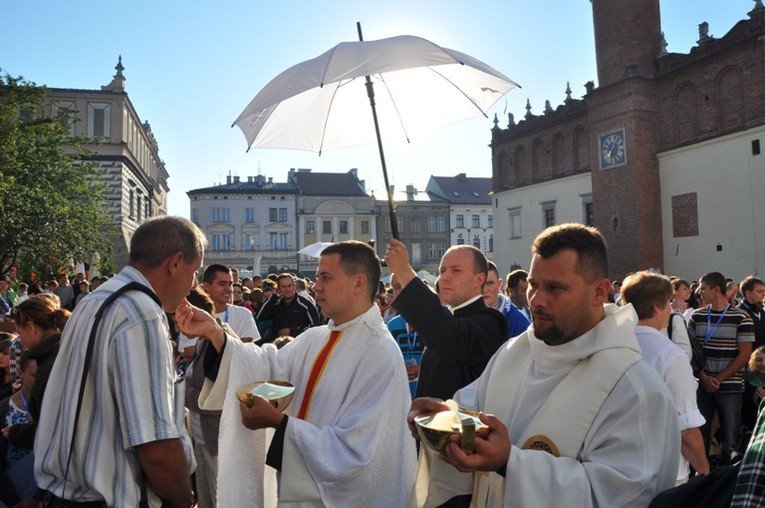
[{"x": 120, "y": 391}]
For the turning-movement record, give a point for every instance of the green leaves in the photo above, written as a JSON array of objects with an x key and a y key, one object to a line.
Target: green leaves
[{"x": 51, "y": 198}]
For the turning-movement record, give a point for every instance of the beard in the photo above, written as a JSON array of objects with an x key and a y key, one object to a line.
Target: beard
[{"x": 552, "y": 336}]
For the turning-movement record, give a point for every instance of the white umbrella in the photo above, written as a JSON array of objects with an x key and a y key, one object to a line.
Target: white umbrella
[
  {"x": 319, "y": 104},
  {"x": 314, "y": 250}
]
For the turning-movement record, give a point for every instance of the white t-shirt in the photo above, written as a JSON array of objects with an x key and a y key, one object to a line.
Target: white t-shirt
[{"x": 240, "y": 320}]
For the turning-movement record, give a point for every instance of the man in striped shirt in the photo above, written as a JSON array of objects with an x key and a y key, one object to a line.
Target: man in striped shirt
[
  {"x": 131, "y": 422},
  {"x": 727, "y": 334}
]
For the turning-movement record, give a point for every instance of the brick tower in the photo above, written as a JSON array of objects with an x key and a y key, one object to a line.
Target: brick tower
[{"x": 622, "y": 116}]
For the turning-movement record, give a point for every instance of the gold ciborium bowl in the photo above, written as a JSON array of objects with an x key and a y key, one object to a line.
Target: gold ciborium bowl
[
  {"x": 436, "y": 428},
  {"x": 278, "y": 393}
]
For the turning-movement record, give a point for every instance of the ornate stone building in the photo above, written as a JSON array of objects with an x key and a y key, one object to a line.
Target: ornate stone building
[
  {"x": 250, "y": 225},
  {"x": 125, "y": 149},
  {"x": 423, "y": 226},
  {"x": 663, "y": 156}
]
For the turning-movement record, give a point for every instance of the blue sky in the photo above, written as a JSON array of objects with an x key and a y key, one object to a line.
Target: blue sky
[{"x": 192, "y": 67}]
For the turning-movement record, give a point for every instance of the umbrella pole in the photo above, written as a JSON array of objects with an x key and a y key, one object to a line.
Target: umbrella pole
[{"x": 371, "y": 95}]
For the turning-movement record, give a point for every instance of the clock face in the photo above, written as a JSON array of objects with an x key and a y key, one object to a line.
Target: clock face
[{"x": 613, "y": 150}]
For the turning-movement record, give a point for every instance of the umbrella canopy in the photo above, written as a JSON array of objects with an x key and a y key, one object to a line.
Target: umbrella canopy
[
  {"x": 314, "y": 250},
  {"x": 322, "y": 103}
]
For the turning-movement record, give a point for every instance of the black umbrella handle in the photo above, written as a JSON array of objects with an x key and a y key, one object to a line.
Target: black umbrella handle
[{"x": 371, "y": 95}]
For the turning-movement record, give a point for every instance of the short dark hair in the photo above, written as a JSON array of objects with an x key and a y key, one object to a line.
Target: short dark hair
[
  {"x": 480, "y": 263},
  {"x": 514, "y": 278},
  {"x": 586, "y": 241},
  {"x": 715, "y": 279},
  {"x": 749, "y": 283},
  {"x": 198, "y": 298},
  {"x": 358, "y": 257},
  {"x": 492, "y": 267},
  {"x": 285, "y": 275},
  {"x": 161, "y": 237},
  {"x": 644, "y": 290},
  {"x": 211, "y": 271}
]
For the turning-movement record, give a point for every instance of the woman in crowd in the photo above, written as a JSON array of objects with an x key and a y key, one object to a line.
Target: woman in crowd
[
  {"x": 39, "y": 323},
  {"x": 681, "y": 297},
  {"x": 17, "y": 476},
  {"x": 6, "y": 384}
]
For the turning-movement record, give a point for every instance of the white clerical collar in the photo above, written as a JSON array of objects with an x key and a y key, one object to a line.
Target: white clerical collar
[{"x": 464, "y": 304}]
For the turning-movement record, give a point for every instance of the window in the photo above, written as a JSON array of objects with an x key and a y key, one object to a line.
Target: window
[
  {"x": 216, "y": 214},
  {"x": 282, "y": 215},
  {"x": 215, "y": 242},
  {"x": 249, "y": 214},
  {"x": 476, "y": 221},
  {"x": 440, "y": 224},
  {"x": 226, "y": 242},
  {"x": 431, "y": 225},
  {"x": 226, "y": 214},
  {"x": 64, "y": 111},
  {"x": 460, "y": 221},
  {"x": 548, "y": 210},
  {"x": 549, "y": 217},
  {"x": 343, "y": 227},
  {"x": 400, "y": 223},
  {"x": 441, "y": 250},
  {"x": 460, "y": 240},
  {"x": 491, "y": 243},
  {"x": 273, "y": 239},
  {"x": 195, "y": 215},
  {"x": 310, "y": 227},
  {"x": 476, "y": 241},
  {"x": 147, "y": 208},
  {"x": 98, "y": 119},
  {"x": 272, "y": 215},
  {"x": 415, "y": 224},
  {"x": 283, "y": 238},
  {"x": 326, "y": 227},
  {"x": 138, "y": 207},
  {"x": 589, "y": 214},
  {"x": 416, "y": 254},
  {"x": 130, "y": 200},
  {"x": 491, "y": 221},
  {"x": 515, "y": 223},
  {"x": 365, "y": 227},
  {"x": 387, "y": 224},
  {"x": 249, "y": 242},
  {"x": 432, "y": 251}
]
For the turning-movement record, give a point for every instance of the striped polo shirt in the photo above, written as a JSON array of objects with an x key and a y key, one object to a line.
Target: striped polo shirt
[
  {"x": 131, "y": 398},
  {"x": 720, "y": 333}
]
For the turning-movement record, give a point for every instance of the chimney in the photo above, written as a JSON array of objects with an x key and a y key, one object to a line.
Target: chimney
[
  {"x": 411, "y": 192},
  {"x": 228, "y": 179},
  {"x": 462, "y": 177},
  {"x": 236, "y": 179},
  {"x": 249, "y": 179},
  {"x": 270, "y": 179},
  {"x": 355, "y": 173}
]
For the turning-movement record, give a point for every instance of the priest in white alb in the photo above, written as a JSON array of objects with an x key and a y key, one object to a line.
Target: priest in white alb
[
  {"x": 343, "y": 441},
  {"x": 577, "y": 417}
]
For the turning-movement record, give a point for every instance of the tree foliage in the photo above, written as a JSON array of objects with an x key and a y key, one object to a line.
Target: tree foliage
[{"x": 52, "y": 201}]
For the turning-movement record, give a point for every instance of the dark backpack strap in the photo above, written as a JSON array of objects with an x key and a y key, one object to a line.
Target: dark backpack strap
[{"x": 137, "y": 286}]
